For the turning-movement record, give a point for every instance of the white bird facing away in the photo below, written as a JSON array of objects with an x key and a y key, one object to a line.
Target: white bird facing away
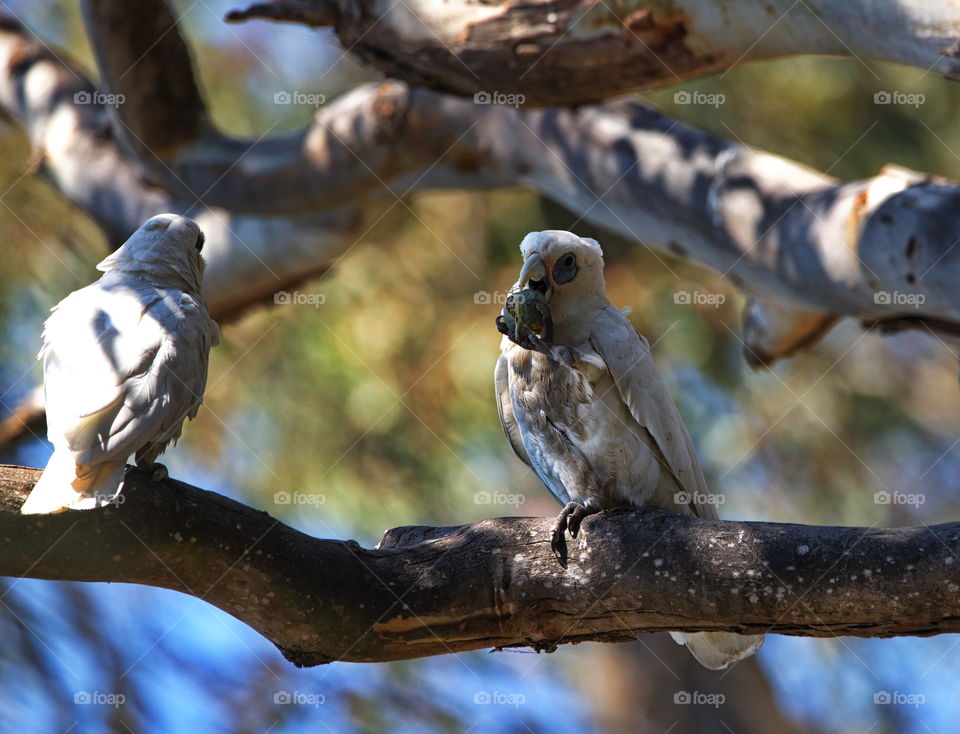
[
  {"x": 584, "y": 407},
  {"x": 124, "y": 363}
]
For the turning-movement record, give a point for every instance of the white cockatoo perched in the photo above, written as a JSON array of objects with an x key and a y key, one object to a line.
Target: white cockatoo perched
[
  {"x": 583, "y": 406},
  {"x": 124, "y": 363}
]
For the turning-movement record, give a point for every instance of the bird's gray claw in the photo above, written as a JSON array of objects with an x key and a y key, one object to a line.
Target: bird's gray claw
[
  {"x": 559, "y": 528},
  {"x": 573, "y": 523},
  {"x": 558, "y": 543},
  {"x": 569, "y": 520},
  {"x": 577, "y": 515}
]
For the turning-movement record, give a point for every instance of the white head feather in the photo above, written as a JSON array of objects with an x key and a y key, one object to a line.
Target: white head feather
[
  {"x": 572, "y": 271},
  {"x": 165, "y": 250}
]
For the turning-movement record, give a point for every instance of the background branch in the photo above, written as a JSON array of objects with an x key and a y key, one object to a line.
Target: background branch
[
  {"x": 572, "y": 52},
  {"x": 429, "y": 591},
  {"x": 140, "y": 59}
]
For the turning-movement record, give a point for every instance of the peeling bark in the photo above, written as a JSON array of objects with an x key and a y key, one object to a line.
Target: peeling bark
[
  {"x": 571, "y": 52},
  {"x": 430, "y": 591}
]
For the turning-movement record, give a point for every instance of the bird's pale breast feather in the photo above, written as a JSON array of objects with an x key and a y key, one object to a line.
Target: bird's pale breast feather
[{"x": 530, "y": 410}]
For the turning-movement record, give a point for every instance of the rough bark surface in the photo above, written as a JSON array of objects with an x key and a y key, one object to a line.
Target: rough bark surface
[
  {"x": 429, "y": 591},
  {"x": 569, "y": 52}
]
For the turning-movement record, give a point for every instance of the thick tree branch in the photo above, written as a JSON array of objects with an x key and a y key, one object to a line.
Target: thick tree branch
[
  {"x": 429, "y": 591},
  {"x": 350, "y": 149},
  {"x": 142, "y": 60},
  {"x": 572, "y": 52}
]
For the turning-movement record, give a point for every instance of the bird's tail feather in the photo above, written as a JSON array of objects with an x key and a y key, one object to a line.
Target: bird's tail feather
[
  {"x": 717, "y": 650},
  {"x": 66, "y": 486}
]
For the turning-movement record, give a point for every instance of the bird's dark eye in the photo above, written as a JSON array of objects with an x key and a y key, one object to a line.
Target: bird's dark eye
[
  {"x": 565, "y": 269},
  {"x": 201, "y": 239}
]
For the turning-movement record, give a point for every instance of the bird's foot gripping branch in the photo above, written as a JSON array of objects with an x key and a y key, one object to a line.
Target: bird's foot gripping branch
[{"x": 429, "y": 591}]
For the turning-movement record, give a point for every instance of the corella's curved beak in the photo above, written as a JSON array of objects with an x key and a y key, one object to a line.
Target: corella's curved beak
[{"x": 533, "y": 269}]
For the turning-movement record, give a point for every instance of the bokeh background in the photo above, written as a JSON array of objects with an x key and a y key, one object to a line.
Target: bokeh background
[{"x": 378, "y": 405}]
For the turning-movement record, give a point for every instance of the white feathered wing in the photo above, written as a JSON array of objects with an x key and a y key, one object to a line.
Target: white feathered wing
[
  {"x": 125, "y": 362},
  {"x": 628, "y": 359}
]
